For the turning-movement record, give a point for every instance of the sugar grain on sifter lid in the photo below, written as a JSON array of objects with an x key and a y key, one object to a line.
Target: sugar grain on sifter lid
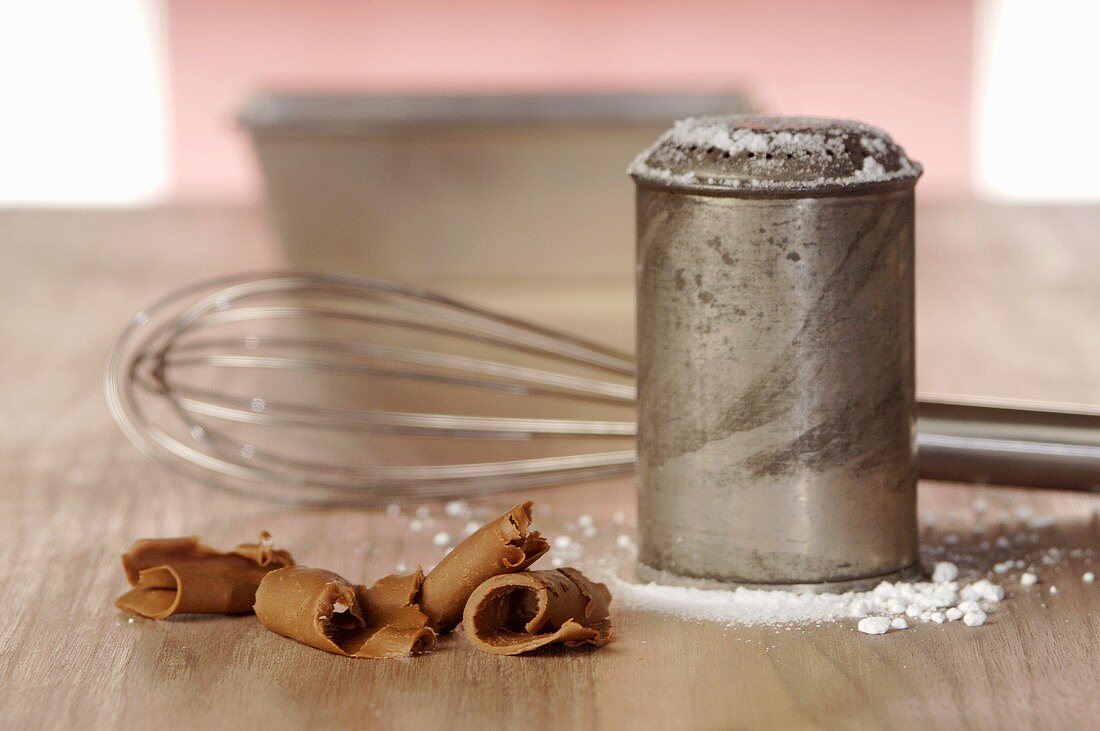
[{"x": 775, "y": 353}]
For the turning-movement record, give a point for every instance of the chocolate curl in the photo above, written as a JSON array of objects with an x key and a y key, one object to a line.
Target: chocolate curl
[
  {"x": 394, "y": 625},
  {"x": 517, "y": 613},
  {"x": 501, "y": 546},
  {"x": 185, "y": 576},
  {"x": 324, "y": 610}
]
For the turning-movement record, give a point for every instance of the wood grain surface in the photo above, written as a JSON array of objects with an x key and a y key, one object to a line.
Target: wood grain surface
[{"x": 1008, "y": 305}]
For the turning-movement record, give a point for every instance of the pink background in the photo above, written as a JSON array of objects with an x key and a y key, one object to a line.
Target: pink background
[{"x": 904, "y": 65}]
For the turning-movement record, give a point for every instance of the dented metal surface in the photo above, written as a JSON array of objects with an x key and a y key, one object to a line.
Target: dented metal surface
[{"x": 776, "y": 386}]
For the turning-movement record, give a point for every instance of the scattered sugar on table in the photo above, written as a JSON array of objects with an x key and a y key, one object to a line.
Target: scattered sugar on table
[{"x": 874, "y": 625}]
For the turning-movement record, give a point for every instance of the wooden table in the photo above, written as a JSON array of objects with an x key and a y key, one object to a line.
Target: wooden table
[{"x": 1009, "y": 305}]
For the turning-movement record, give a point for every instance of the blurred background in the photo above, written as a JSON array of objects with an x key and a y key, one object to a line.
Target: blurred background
[{"x": 136, "y": 101}]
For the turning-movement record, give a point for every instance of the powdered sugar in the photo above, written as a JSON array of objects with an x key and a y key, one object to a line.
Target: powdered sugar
[
  {"x": 872, "y": 170},
  {"x": 968, "y": 587},
  {"x": 974, "y": 619},
  {"x": 945, "y": 571},
  {"x": 874, "y": 625},
  {"x": 926, "y": 601},
  {"x": 772, "y": 153}
]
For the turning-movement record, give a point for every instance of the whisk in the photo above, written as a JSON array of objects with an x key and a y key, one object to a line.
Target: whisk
[
  {"x": 331, "y": 390},
  {"x": 322, "y": 325}
]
